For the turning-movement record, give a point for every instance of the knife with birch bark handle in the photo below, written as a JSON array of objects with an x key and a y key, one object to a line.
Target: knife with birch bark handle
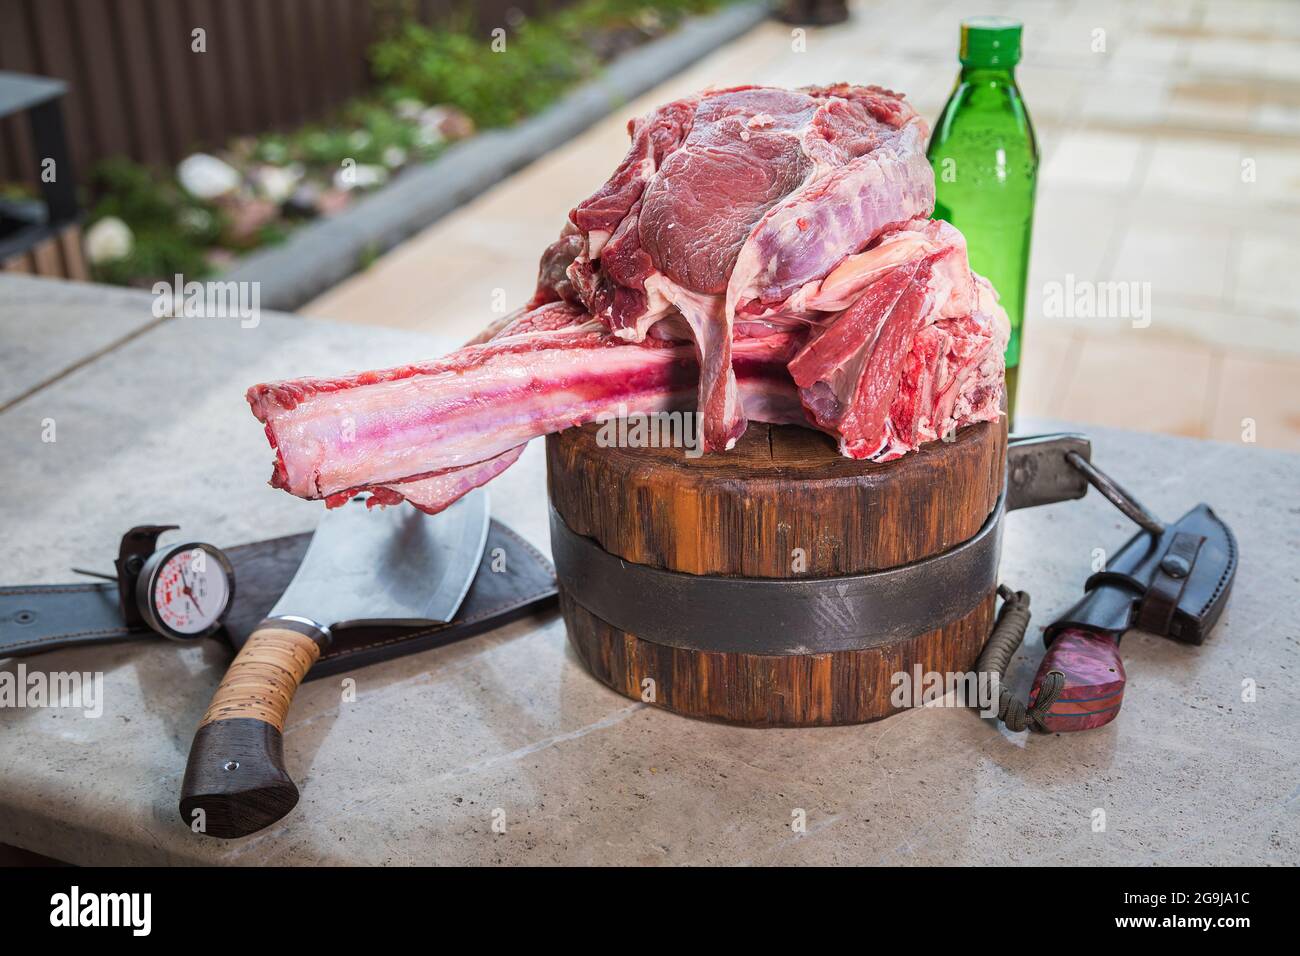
[{"x": 393, "y": 565}]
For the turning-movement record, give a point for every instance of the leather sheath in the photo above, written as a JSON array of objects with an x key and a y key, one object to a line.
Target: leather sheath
[
  {"x": 39, "y": 618},
  {"x": 1174, "y": 585}
]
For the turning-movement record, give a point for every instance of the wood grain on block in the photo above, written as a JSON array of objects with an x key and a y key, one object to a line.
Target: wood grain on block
[
  {"x": 261, "y": 682},
  {"x": 800, "y": 690},
  {"x": 782, "y": 487},
  {"x": 1094, "y": 680},
  {"x": 746, "y": 512}
]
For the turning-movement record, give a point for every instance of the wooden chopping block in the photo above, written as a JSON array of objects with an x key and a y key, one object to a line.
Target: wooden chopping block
[{"x": 783, "y": 503}]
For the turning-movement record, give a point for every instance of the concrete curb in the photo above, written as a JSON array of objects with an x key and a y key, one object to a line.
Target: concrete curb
[{"x": 326, "y": 252}]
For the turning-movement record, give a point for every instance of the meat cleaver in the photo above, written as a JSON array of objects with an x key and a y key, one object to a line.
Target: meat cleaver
[{"x": 391, "y": 565}]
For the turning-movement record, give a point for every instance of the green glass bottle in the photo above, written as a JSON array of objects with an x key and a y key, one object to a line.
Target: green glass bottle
[{"x": 985, "y": 163}]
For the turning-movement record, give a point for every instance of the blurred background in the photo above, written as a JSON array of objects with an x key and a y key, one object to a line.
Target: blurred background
[{"x": 204, "y": 131}]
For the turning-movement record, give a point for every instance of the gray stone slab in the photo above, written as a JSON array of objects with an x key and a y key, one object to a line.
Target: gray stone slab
[
  {"x": 413, "y": 769},
  {"x": 46, "y": 328}
]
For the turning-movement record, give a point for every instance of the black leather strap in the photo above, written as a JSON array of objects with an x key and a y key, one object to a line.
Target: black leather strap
[
  {"x": 42, "y": 617},
  {"x": 778, "y": 616},
  {"x": 1168, "y": 581},
  {"x": 514, "y": 579}
]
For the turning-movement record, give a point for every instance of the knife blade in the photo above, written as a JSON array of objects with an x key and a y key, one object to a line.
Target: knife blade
[
  {"x": 363, "y": 567},
  {"x": 389, "y": 565}
]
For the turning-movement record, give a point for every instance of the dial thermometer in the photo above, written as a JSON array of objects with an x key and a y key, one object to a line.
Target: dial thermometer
[{"x": 184, "y": 591}]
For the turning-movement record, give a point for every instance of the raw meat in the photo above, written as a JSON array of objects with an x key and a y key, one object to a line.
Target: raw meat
[
  {"x": 431, "y": 432},
  {"x": 848, "y": 373},
  {"x": 732, "y": 200},
  {"x": 758, "y": 253}
]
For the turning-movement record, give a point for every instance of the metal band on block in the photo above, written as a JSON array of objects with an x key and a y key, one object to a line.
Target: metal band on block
[{"x": 778, "y": 616}]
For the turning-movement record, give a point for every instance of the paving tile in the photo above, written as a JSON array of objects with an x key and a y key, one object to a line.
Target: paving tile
[
  {"x": 1191, "y": 88},
  {"x": 1048, "y": 134},
  {"x": 1049, "y": 92},
  {"x": 1048, "y": 359},
  {"x": 1094, "y": 159},
  {"x": 1276, "y": 118},
  {"x": 1140, "y": 52},
  {"x": 1262, "y": 333},
  {"x": 1131, "y": 100},
  {"x": 1227, "y": 56},
  {"x": 1139, "y": 381},
  {"x": 1199, "y": 216},
  {"x": 1179, "y": 263},
  {"x": 1283, "y": 60},
  {"x": 1073, "y": 41},
  {"x": 1166, "y": 15},
  {"x": 1073, "y": 229},
  {"x": 1196, "y": 168},
  {"x": 1276, "y": 174},
  {"x": 396, "y": 292},
  {"x": 1263, "y": 391},
  {"x": 1213, "y": 117},
  {"x": 480, "y": 299},
  {"x": 1266, "y": 275},
  {"x": 1242, "y": 17}
]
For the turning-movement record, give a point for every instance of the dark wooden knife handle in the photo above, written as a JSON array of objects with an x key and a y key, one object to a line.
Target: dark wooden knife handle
[
  {"x": 1094, "y": 680},
  {"x": 235, "y": 775}
]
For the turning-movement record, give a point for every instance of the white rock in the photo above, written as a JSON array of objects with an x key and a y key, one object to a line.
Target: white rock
[
  {"x": 108, "y": 239},
  {"x": 408, "y": 109},
  {"x": 435, "y": 116},
  {"x": 277, "y": 183},
  {"x": 206, "y": 177}
]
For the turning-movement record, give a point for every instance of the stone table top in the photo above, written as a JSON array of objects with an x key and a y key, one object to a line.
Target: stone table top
[{"x": 150, "y": 425}]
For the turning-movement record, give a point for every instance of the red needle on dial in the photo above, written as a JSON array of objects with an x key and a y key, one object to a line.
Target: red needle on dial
[{"x": 188, "y": 592}]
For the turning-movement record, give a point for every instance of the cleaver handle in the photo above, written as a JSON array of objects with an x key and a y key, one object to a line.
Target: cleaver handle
[{"x": 235, "y": 775}]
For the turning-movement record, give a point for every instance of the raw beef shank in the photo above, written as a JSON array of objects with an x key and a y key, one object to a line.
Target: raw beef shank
[{"x": 759, "y": 253}]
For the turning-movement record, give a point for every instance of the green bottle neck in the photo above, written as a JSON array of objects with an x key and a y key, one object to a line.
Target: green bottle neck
[{"x": 988, "y": 75}]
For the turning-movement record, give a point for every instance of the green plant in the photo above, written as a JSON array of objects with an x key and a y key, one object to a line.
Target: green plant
[
  {"x": 363, "y": 130},
  {"x": 542, "y": 57},
  {"x": 171, "y": 230},
  {"x": 453, "y": 65},
  {"x": 17, "y": 192},
  {"x": 494, "y": 89}
]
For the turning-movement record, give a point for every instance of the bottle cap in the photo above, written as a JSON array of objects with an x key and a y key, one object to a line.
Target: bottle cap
[{"x": 990, "y": 41}]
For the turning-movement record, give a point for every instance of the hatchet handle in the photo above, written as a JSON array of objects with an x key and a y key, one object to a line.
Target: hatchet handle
[
  {"x": 1094, "y": 680},
  {"x": 235, "y": 781}
]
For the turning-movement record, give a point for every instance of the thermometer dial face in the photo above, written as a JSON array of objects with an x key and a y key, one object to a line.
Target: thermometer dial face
[{"x": 188, "y": 590}]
